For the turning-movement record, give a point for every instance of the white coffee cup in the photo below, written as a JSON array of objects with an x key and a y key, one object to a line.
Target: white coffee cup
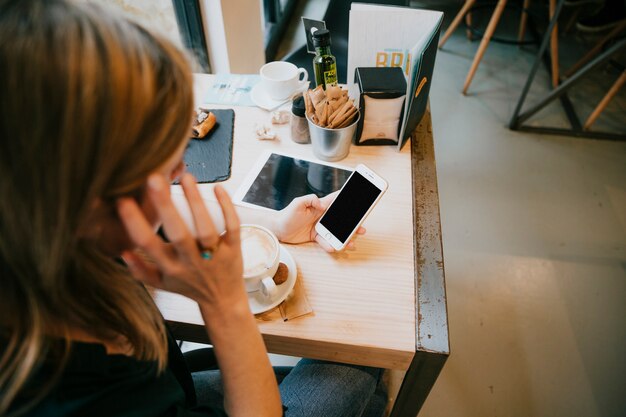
[
  {"x": 282, "y": 79},
  {"x": 261, "y": 257}
]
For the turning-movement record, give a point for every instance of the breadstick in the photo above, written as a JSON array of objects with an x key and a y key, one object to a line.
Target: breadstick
[
  {"x": 336, "y": 104},
  {"x": 308, "y": 105},
  {"x": 321, "y": 113},
  {"x": 204, "y": 127},
  {"x": 333, "y": 92},
  {"x": 347, "y": 122},
  {"x": 317, "y": 95},
  {"x": 327, "y": 112},
  {"x": 341, "y": 111},
  {"x": 340, "y": 119}
]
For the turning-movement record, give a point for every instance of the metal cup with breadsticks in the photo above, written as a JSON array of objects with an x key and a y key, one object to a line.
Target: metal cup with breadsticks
[{"x": 330, "y": 109}]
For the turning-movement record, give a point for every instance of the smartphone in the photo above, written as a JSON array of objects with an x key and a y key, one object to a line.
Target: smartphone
[{"x": 357, "y": 197}]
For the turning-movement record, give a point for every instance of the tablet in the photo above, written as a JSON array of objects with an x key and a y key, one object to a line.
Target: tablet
[{"x": 276, "y": 179}]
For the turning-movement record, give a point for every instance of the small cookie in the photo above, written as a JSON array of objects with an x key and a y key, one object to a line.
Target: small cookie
[{"x": 281, "y": 275}]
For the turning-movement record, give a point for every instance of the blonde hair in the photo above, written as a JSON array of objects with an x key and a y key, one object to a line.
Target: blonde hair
[{"x": 91, "y": 104}]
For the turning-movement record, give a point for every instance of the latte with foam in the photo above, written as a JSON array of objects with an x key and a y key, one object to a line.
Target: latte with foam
[{"x": 259, "y": 251}]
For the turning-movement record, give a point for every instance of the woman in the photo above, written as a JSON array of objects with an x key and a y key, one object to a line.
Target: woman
[{"x": 94, "y": 116}]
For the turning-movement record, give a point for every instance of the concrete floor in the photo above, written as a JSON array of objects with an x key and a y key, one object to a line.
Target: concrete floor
[
  {"x": 535, "y": 249},
  {"x": 534, "y": 232}
]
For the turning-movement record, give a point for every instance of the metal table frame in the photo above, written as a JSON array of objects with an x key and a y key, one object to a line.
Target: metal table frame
[
  {"x": 560, "y": 92},
  {"x": 432, "y": 346}
]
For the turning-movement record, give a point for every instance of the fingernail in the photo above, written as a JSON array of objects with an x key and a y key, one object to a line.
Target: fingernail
[{"x": 154, "y": 182}]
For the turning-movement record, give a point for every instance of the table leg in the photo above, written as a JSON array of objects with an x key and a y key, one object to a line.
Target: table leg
[
  {"x": 518, "y": 119},
  {"x": 515, "y": 119},
  {"x": 418, "y": 381}
]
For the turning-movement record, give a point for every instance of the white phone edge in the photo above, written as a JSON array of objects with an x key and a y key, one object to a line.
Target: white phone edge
[{"x": 374, "y": 179}]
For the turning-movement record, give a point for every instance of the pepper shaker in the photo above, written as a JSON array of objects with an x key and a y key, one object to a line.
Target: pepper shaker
[{"x": 299, "y": 124}]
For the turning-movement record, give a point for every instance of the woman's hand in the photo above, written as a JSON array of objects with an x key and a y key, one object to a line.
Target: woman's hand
[
  {"x": 179, "y": 266},
  {"x": 215, "y": 283},
  {"x": 296, "y": 222}
]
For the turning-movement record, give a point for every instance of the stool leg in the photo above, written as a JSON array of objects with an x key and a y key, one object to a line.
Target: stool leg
[
  {"x": 455, "y": 23},
  {"x": 554, "y": 47},
  {"x": 605, "y": 101},
  {"x": 523, "y": 20},
  {"x": 468, "y": 22},
  {"x": 491, "y": 28},
  {"x": 570, "y": 23}
]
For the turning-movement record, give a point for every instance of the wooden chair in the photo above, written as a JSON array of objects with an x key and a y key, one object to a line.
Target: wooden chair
[{"x": 491, "y": 28}]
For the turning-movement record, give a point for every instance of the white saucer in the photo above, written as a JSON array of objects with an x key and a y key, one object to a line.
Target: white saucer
[
  {"x": 261, "y": 99},
  {"x": 259, "y": 304}
]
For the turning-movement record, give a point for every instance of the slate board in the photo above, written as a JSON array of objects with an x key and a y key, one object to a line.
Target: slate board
[{"x": 209, "y": 159}]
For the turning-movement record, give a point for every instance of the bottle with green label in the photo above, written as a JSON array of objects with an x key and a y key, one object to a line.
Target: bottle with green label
[{"x": 324, "y": 63}]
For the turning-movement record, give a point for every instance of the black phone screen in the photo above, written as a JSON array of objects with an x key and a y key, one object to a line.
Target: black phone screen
[{"x": 350, "y": 206}]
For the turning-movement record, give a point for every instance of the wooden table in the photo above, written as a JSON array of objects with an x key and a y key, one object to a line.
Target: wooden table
[{"x": 382, "y": 305}]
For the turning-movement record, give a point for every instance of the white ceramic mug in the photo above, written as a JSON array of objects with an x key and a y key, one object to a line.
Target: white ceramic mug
[
  {"x": 282, "y": 79},
  {"x": 261, "y": 257}
]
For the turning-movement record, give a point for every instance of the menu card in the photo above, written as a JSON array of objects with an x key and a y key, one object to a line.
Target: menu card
[{"x": 389, "y": 36}]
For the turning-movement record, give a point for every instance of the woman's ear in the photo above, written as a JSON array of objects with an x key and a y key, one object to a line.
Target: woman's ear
[
  {"x": 103, "y": 228},
  {"x": 91, "y": 226}
]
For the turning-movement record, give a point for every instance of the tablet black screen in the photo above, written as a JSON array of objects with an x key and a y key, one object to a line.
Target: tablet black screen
[{"x": 284, "y": 178}]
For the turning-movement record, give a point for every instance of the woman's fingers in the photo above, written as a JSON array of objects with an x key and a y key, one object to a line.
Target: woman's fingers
[
  {"x": 325, "y": 245},
  {"x": 173, "y": 224},
  {"x": 207, "y": 234},
  {"x": 306, "y": 201},
  {"x": 231, "y": 220},
  {"x": 326, "y": 200},
  {"x": 142, "y": 234}
]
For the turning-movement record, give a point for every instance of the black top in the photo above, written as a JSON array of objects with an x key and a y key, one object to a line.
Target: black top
[
  {"x": 321, "y": 37},
  {"x": 297, "y": 106},
  {"x": 94, "y": 383}
]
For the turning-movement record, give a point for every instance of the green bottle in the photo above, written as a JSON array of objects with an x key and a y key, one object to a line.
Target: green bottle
[{"x": 324, "y": 63}]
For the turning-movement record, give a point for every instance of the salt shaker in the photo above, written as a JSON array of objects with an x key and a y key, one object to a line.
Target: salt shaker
[{"x": 299, "y": 124}]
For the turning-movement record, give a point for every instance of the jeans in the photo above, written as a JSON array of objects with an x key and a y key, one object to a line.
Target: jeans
[{"x": 314, "y": 388}]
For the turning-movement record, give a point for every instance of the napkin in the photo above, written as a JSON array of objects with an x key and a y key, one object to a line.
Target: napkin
[{"x": 295, "y": 305}]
